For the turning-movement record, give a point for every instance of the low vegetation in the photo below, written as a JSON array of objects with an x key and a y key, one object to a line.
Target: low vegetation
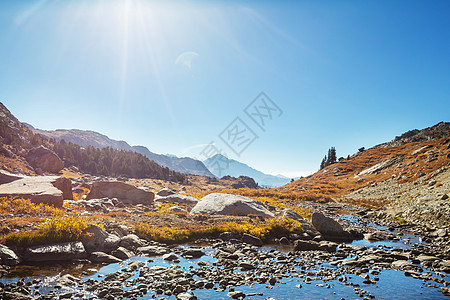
[
  {"x": 20, "y": 206},
  {"x": 54, "y": 230},
  {"x": 178, "y": 234}
]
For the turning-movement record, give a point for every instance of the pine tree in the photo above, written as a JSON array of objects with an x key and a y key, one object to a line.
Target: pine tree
[{"x": 329, "y": 159}]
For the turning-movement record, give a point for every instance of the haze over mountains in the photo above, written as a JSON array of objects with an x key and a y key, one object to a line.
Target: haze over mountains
[
  {"x": 235, "y": 168},
  {"x": 85, "y": 138},
  {"x": 185, "y": 165}
]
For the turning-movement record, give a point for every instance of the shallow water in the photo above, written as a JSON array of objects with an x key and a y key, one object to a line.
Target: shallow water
[{"x": 391, "y": 285}]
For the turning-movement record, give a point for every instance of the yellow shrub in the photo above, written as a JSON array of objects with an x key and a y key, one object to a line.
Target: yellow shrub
[
  {"x": 174, "y": 234},
  {"x": 25, "y": 206},
  {"x": 54, "y": 230}
]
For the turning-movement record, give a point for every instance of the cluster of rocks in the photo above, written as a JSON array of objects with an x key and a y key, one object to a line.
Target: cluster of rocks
[{"x": 238, "y": 263}]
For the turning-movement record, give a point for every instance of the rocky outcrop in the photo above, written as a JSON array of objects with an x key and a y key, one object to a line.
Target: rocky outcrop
[
  {"x": 122, "y": 191},
  {"x": 95, "y": 238},
  {"x": 231, "y": 205},
  {"x": 6, "y": 177},
  {"x": 8, "y": 257},
  {"x": 45, "y": 159},
  {"x": 50, "y": 190},
  {"x": 57, "y": 252}
]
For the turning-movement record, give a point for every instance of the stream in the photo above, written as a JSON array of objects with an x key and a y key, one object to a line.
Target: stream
[{"x": 303, "y": 276}]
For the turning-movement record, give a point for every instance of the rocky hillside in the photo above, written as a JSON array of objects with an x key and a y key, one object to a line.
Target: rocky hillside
[
  {"x": 86, "y": 138},
  {"x": 236, "y": 169},
  {"x": 435, "y": 132},
  {"x": 23, "y": 151},
  {"x": 408, "y": 178}
]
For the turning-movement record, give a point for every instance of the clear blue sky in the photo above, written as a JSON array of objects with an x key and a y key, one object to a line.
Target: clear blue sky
[{"x": 171, "y": 75}]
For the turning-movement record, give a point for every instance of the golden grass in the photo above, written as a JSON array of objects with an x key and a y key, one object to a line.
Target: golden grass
[
  {"x": 16, "y": 205},
  {"x": 54, "y": 230},
  {"x": 178, "y": 234}
]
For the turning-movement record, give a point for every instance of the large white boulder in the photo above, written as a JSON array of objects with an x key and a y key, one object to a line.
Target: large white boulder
[
  {"x": 51, "y": 190},
  {"x": 231, "y": 205}
]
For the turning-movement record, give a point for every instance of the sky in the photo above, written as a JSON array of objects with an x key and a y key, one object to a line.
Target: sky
[{"x": 177, "y": 76}]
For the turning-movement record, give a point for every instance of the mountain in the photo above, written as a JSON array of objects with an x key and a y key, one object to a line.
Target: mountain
[
  {"x": 86, "y": 138},
  {"x": 235, "y": 168},
  {"x": 413, "y": 159}
]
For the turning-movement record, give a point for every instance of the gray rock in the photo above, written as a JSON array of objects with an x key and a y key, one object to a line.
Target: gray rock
[
  {"x": 152, "y": 250},
  {"x": 177, "y": 199},
  {"x": 131, "y": 241},
  {"x": 325, "y": 225},
  {"x": 56, "y": 252},
  {"x": 170, "y": 257},
  {"x": 7, "y": 177},
  {"x": 186, "y": 296},
  {"x": 8, "y": 257},
  {"x": 95, "y": 238},
  {"x": 101, "y": 257},
  {"x": 165, "y": 192},
  {"x": 122, "y": 253},
  {"x": 230, "y": 204},
  {"x": 122, "y": 191},
  {"x": 193, "y": 253},
  {"x": 251, "y": 239},
  {"x": 301, "y": 245},
  {"x": 289, "y": 213},
  {"x": 236, "y": 295}
]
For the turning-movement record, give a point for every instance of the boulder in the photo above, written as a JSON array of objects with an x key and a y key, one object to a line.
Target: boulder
[
  {"x": 120, "y": 190},
  {"x": 50, "y": 190},
  {"x": 122, "y": 253},
  {"x": 230, "y": 204},
  {"x": 8, "y": 257},
  {"x": 131, "y": 241},
  {"x": 251, "y": 239},
  {"x": 101, "y": 257},
  {"x": 165, "y": 192},
  {"x": 300, "y": 245},
  {"x": 45, "y": 159},
  {"x": 6, "y": 177},
  {"x": 192, "y": 253},
  {"x": 289, "y": 213},
  {"x": 177, "y": 199},
  {"x": 57, "y": 252},
  {"x": 332, "y": 230},
  {"x": 325, "y": 225},
  {"x": 95, "y": 238}
]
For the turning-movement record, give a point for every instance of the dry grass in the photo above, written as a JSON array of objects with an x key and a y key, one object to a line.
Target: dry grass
[
  {"x": 178, "y": 234},
  {"x": 18, "y": 206},
  {"x": 54, "y": 230}
]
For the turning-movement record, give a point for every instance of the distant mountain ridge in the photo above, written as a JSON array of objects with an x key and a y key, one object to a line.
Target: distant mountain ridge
[
  {"x": 236, "y": 169},
  {"x": 86, "y": 138}
]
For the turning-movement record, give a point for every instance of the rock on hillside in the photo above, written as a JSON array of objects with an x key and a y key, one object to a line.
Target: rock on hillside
[
  {"x": 45, "y": 159},
  {"x": 120, "y": 190},
  {"x": 50, "y": 190},
  {"x": 232, "y": 205}
]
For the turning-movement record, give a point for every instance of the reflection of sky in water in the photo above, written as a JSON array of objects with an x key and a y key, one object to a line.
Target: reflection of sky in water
[{"x": 392, "y": 284}]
